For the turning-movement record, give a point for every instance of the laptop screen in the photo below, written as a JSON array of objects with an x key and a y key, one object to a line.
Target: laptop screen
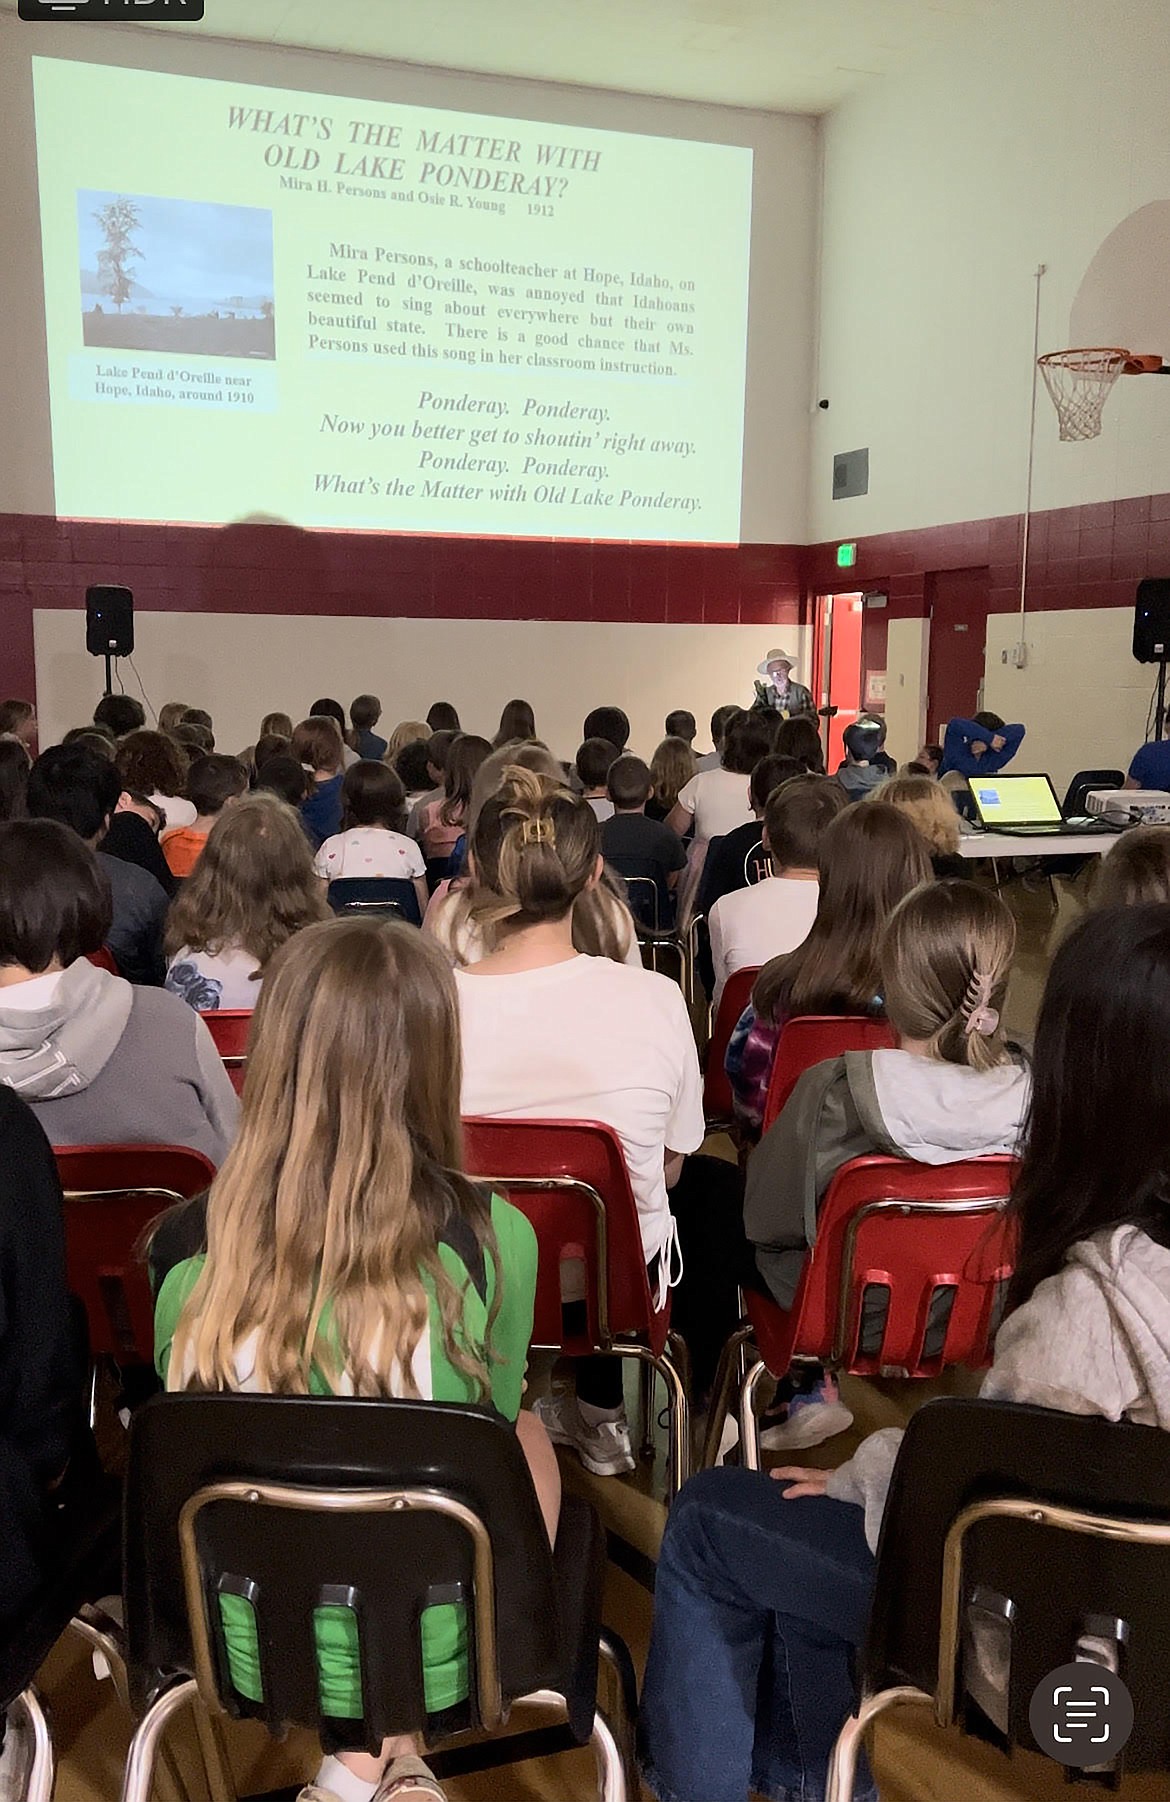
[{"x": 1015, "y": 800}]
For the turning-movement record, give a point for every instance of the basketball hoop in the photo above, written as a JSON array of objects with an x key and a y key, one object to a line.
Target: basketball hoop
[{"x": 1081, "y": 381}]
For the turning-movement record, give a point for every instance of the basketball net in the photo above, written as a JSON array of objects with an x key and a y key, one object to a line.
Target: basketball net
[{"x": 1080, "y": 382}]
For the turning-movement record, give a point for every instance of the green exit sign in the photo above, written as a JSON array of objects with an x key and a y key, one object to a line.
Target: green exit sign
[{"x": 846, "y": 556}]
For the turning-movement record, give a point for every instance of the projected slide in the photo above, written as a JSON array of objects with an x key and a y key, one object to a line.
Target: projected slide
[{"x": 351, "y": 313}]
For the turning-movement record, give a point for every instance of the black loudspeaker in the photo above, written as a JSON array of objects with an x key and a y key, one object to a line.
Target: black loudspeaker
[
  {"x": 109, "y": 622},
  {"x": 1151, "y": 621}
]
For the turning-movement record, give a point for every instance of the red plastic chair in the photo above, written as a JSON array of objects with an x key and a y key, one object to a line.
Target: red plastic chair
[
  {"x": 813, "y": 1039},
  {"x": 104, "y": 960},
  {"x": 112, "y": 1194},
  {"x": 229, "y": 1027},
  {"x": 911, "y": 1230},
  {"x": 592, "y": 1291},
  {"x": 737, "y": 992}
]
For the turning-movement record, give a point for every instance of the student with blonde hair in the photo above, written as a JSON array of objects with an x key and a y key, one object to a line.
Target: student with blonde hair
[
  {"x": 346, "y": 1253},
  {"x": 253, "y": 887},
  {"x": 928, "y": 806},
  {"x": 1136, "y": 871},
  {"x": 551, "y": 1034},
  {"x": 406, "y": 732},
  {"x": 953, "y": 1090}
]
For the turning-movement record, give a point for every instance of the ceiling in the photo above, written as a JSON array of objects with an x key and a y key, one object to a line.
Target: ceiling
[{"x": 783, "y": 55}]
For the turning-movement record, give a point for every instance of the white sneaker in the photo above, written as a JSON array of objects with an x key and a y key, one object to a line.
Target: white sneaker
[
  {"x": 728, "y": 1439},
  {"x": 810, "y": 1425},
  {"x": 603, "y": 1449}
]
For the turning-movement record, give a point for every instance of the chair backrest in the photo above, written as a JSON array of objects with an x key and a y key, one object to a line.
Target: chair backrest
[
  {"x": 1086, "y": 780},
  {"x": 1017, "y": 1474},
  {"x": 112, "y": 1194},
  {"x": 645, "y": 899},
  {"x": 104, "y": 960},
  {"x": 737, "y": 992},
  {"x": 811, "y": 1039},
  {"x": 229, "y": 1027},
  {"x": 361, "y": 894},
  {"x": 932, "y": 1243},
  {"x": 373, "y": 1511},
  {"x": 570, "y": 1178}
]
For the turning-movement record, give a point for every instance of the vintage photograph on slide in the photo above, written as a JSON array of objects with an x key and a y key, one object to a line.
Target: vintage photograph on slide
[{"x": 186, "y": 276}]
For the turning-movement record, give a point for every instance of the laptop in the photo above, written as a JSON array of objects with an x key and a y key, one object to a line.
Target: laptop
[{"x": 1027, "y": 807}]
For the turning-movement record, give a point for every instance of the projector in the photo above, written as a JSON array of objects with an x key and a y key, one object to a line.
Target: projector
[{"x": 1130, "y": 807}]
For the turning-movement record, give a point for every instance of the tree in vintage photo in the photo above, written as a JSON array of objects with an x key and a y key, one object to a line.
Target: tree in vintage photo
[{"x": 119, "y": 221}]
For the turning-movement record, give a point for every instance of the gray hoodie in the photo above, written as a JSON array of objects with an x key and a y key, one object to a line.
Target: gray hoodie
[
  {"x": 886, "y": 1102},
  {"x": 1093, "y": 1339},
  {"x": 103, "y": 1063}
]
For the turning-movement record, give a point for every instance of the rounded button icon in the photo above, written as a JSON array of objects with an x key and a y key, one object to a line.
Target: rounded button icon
[{"x": 1081, "y": 1714}]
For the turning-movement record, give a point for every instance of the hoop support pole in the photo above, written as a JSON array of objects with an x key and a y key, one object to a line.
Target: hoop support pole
[
  {"x": 1160, "y": 718},
  {"x": 1041, "y": 272}
]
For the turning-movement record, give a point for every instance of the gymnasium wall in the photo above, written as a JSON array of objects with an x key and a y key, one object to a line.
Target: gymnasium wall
[
  {"x": 527, "y": 595},
  {"x": 1040, "y": 138}
]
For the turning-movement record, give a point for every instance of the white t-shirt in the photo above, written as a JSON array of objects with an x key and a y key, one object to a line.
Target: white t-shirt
[
  {"x": 753, "y": 924},
  {"x": 371, "y": 852},
  {"x": 589, "y": 1040},
  {"x": 602, "y": 807},
  {"x": 212, "y": 981},
  {"x": 462, "y": 939},
  {"x": 176, "y": 812},
  {"x": 719, "y": 801}
]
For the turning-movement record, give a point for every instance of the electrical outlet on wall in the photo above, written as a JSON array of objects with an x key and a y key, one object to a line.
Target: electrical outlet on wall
[{"x": 1016, "y": 655}]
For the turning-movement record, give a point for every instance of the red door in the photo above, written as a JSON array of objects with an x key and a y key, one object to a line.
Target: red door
[
  {"x": 837, "y": 666},
  {"x": 958, "y": 601}
]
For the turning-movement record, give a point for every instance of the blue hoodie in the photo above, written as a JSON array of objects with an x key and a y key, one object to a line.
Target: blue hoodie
[{"x": 959, "y": 758}]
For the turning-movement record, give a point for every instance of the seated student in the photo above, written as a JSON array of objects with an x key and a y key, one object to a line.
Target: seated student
[
  {"x": 196, "y": 740},
  {"x": 201, "y": 720},
  {"x": 79, "y": 789},
  {"x": 433, "y": 764},
  {"x": 14, "y": 769},
  {"x": 18, "y": 720},
  {"x": 132, "y": 836},
  {"x": 120, "y": 715},
  {"x": 800, "y": 738},
  {"x": 101, "y": 1062},
  {"x": 213, "y": 783},
  {"x": 442, "y": 717},
  {"x": 609, "y": 723},
  {"x": 390, "y": 1275},
  {"x": 364, "y": 714},
  {"x": 739, "y": 858},
  {"x": 1150, "y": 767},
  {"x": 151, "y": 764},
  {"x": 443, "y": 823},
  {"x": 602, "y": 924},
  {"x": 286, "y": 776},
  {"x": 406, "y": 732},
  {"x": 929, "y": 807},
  {"x": 42, "y": 1434},
  {"x": 94, "y": 738},
  {"x": 636, "y": 846},
  {"x": 772, "y": 917},
  {"x": 517, "y": 725},
  {"x": 979, "y": 747},
  {"x": 681, "y": 724},
  {"x": 316, "y": 743},
  {"x": 763, "y": 1591},
  {"x": 170, "y": 714},
  {"x": 372, "y": 844},
  {"x": 710, "y": 760},
  {"x": 869, "y": 859},
  {"x": 717, "y": 800},
  {"x": 1136, "y": 871},
  {"x": 268, "y": 746},
  {"x": 866, "y": 766},
  {"x": 930, "y": 757},
  {"x": 671, "y": 768},
  {"x": 253, "y": 887},
  {"x": 550, "y": 1034},
  {"x": 953, "y": 1090},
  {"x": 327, "y": 709},
  {"x": 594, "y": 761}
]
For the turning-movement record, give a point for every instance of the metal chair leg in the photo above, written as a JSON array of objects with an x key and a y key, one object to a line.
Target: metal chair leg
[
  {"x": 213, "y": 1747},
  {"x": 721, "y": 1396},
  {"x": 138, "y": 1777},
  {"x": 678, "y": 1401},
  {"x": 27, "y": 1713},
  {"x": 843, "y": 1763},
  {"x": 614, "y": 1656},
  {"x": 749, "y": 1424},
  {"x": 646, "y": 1411},
  {"x": 611, "y": 1770}
]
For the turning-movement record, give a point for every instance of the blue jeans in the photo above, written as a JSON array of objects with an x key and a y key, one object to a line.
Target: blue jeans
[{"x": 758, "y": 1607}]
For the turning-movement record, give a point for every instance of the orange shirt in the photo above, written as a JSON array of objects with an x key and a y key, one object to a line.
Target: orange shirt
[{"x": 182, "y": 849}]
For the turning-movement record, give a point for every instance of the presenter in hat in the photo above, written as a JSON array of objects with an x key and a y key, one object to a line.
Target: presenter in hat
[{"x": 776, "y": 692}]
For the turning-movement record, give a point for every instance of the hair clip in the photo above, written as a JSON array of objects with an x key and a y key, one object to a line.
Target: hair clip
[
  {"x": 538, "y": 831},
  {"x": 978, "y": 1014}
]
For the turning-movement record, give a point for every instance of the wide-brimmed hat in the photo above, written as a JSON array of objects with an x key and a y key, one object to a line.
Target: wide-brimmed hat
[{"x": 775, "y": 657}]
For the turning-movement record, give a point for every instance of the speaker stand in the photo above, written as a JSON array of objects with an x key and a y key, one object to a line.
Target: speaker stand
[
  {"x": 1161, "y": 715},
  {"x": 110, "y": 677}
]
